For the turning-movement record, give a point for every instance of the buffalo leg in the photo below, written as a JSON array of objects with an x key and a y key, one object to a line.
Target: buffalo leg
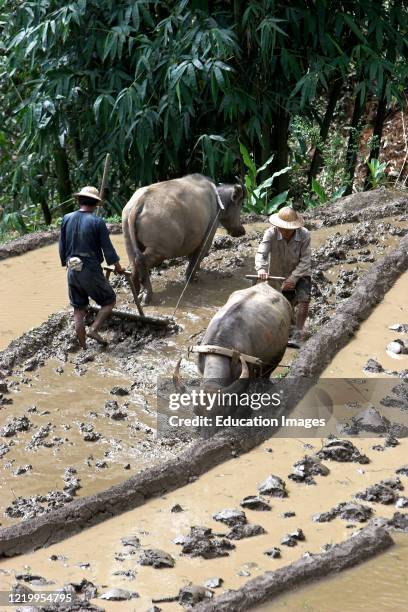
[
  {"x": 146, "y": 293},
  {"x": 150, "y": 259},
  {"x": 134, "y": 279}
]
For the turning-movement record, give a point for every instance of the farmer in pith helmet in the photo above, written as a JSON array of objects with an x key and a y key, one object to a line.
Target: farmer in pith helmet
[
  {"x": 285, "y": 251},
  {"x": 84, "y": 243}
]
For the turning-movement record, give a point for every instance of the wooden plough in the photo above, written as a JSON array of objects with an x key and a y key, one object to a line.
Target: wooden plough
[{"x": 132, "y": 316}]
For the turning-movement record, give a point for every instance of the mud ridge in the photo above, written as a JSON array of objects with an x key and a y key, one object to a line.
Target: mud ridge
[
  {"x": 35, "y": 240},
  {"x": 27, "y": 345},
  {"x": 361, "y": 206},
  {"x": 87, "y": 511},
  {"x": 368, "y": 542}
]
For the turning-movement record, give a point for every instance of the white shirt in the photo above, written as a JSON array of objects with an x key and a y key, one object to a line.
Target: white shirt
[{"x": 282, "y": 258}]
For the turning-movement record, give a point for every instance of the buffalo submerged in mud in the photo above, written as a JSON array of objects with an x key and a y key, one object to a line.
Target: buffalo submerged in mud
[
  {"x": 177, "y": 218},
  {"x": 245, "y": 338}
]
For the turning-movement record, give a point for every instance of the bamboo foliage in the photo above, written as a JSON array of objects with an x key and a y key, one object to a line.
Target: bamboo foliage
[{"x": 173, "y": 87}]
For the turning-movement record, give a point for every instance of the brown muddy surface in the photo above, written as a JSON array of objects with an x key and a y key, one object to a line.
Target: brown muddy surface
[
  {"x": 69, "y": 390},
  {"x": 34, "y": 284},
  {"x": 69, "y": 396},
  {"x": 157, "y": 526},
  {"x": 33, "y": 287},
  {"x": 373, "y": 337},
  {"x": 39, "y": 275}
]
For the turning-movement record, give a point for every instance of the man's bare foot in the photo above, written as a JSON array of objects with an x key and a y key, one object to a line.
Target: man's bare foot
[{"x": 96, "y": 336}]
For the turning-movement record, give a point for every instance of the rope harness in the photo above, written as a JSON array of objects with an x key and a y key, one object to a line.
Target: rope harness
[
  {"x": 234, "y": 355},
  {"x": 221, "y": 208}
]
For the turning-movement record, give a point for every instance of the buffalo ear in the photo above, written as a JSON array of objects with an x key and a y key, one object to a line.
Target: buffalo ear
[{"x": 237, "y": 193}]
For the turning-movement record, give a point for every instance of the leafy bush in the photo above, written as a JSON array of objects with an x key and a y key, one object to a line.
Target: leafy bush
[
  {"x": 257, "y": 195},
  {"x": 377, "y": 172}
]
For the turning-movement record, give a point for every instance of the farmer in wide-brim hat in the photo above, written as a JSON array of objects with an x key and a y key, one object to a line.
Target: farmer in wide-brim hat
[
  {"x": 84, "y": 243},
  {"x": 285, "y": 251}
]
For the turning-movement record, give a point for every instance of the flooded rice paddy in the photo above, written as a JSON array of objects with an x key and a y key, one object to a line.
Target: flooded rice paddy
[{"x": 69, "y": 396}]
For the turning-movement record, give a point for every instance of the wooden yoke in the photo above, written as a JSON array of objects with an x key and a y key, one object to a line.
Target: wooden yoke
[{"x": 226, "y": 352}]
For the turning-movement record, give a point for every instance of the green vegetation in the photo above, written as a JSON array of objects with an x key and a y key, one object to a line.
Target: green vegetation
[
  {"x": 241, "y": 88},
  {"x": 377, "y": 172}
]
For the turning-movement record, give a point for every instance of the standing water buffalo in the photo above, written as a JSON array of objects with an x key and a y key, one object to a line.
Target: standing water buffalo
[
  {"x": 254, "y": 322},
  {"x": 177, "y": 218}
]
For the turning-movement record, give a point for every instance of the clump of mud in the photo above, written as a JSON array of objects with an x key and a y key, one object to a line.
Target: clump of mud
[
  {"x": 305, "y": 469},
  {"x": 273, "y": 486},
  {"x": 371, "y": 421},
  {"x": 292, "y": 539},
  {"x": 230, "y": 517},
  {"x": 343, "y": 451},
  {"x": 15, "y": 425},
  {"x": 384, "y": 492},
  {"x": 202, "y": 542},
  {"x": 249, "y": 530},
  {"x": 29, "y": 507},
  {"x": 348, "y": 511},
  {"x": 156, "y": 558},
  {"x": 255, "y": 502}
]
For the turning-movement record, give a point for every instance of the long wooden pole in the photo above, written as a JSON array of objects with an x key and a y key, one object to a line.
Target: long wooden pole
[{"x": 105, "y": 176}]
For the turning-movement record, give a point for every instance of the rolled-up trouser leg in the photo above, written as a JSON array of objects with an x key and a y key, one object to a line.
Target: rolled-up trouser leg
[{"x": 302, "y": 311}]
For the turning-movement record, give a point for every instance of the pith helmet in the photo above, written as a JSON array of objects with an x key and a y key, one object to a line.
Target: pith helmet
[
  {"x": 287, "y": 218},
  {"x": 89, "y": 192}
]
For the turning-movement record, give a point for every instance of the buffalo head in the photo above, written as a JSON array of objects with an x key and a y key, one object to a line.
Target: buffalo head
[
  {"x": 219, "y": 398},
  {"x": 232, "y": 197}
]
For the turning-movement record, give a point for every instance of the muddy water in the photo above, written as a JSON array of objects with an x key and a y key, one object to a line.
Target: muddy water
[
  {"x": 374, "y": 335},
  {"x": 78, "y": 394},
  {"x": 379, "y": 584},
  {"x": 338, "y": 401},
  {"x": 222, "y": 487},
  {"x": 34, "y": 285},
  {"x": 64, "y": 398}
]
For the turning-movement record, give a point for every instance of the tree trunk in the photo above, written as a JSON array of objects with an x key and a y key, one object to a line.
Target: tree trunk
[
  {"x": 263, "y": 151},
  {"x": 42, "y": 199},
  {"x": 63, "y": 179},
  {"x": 377, "y": 131},
  {"x": 353, "y": 142},
  {"x": 76, "y": 140},
  {"x": 280, "y": 133},
  {"x": 317, "y": 160}
]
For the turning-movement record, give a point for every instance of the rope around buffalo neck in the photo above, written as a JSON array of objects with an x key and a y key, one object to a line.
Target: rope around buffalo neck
[{"x": 201, "y": 250}]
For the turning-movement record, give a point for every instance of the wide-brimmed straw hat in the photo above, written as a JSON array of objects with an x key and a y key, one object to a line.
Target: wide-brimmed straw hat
[
  {"x": 89, "y": 192},
  {"x": 287, "y": 218}
]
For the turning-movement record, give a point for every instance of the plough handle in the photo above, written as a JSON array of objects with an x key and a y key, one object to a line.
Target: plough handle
[
  {"x": 128, "y": 276},
  {"x": 254, "y": 278}
]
